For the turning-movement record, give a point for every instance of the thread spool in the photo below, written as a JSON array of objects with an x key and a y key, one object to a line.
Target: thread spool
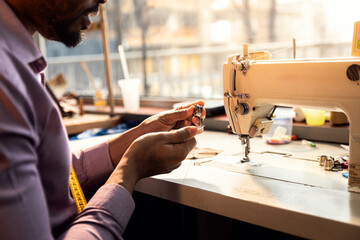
[
  {"x": 329, "y": 164},
  {"x": 322, "y": 160}
]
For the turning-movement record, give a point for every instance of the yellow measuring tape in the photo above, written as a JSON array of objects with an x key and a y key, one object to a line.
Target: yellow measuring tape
[{"x": 76, "y": 191}]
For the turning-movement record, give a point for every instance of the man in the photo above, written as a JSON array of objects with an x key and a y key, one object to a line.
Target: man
[{"x": 35, "y": 202}]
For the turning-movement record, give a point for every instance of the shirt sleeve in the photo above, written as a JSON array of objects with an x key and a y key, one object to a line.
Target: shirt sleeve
[
  {"x": 93, "y": 166},
  {"x": 104, "y": 217},
  {"x": 27, "y": 210},
  {"x": 23, "y": 206},
  {"x": 109, "y": 210}
]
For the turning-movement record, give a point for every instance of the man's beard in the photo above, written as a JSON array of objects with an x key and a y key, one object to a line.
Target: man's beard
[
  {"x": 60, "y": 30},
  {"x": 69, "y": 38}
]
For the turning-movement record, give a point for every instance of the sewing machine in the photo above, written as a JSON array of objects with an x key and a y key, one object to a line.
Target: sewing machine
[{"x": 254, "y": 85}]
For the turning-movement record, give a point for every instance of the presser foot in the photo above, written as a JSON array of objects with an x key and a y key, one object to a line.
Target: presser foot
[{"x": 245, "y": 141}]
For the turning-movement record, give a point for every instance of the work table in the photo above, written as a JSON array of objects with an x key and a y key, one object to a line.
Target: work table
[{"x": 291, "y": 194}]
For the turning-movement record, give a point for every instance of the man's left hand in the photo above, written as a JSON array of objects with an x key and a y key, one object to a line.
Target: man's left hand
[{"x": 173, "y": 119}]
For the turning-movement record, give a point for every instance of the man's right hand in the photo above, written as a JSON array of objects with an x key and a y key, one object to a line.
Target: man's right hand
[{"x": 153, "y": 154}]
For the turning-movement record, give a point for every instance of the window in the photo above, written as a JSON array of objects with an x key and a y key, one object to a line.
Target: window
[{"x": 177, "y": 48}]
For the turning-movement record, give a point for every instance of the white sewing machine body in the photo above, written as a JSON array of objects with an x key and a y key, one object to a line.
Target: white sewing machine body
[{"x": 253, "y": 87}]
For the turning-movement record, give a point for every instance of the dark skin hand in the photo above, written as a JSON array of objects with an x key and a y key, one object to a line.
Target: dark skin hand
[
  {"x": 164, "y": 152},
  {"x": 168, "y": 120},
  {"x": 164, "y": 121},
  {"x": 158, "y": 145}
]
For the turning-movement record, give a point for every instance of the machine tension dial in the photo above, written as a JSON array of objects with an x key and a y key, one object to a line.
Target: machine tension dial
[{"x": 242, "y": 108}]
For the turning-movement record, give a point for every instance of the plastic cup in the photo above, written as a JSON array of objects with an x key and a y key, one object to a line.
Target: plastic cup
[
  {"x": 314, "y": 117},
  {"x": 281, "y": 130},
  {"x": 130, "y": 94}
]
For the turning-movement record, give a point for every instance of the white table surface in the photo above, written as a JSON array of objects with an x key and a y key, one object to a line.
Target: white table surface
[{"x": 289, "y": 194}]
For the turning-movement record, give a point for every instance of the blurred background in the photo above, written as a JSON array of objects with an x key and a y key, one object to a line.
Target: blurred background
[{"x": 177, "y": 48}]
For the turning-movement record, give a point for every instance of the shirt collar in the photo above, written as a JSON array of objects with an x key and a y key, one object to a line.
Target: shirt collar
[{"x": 18, "y": 40}]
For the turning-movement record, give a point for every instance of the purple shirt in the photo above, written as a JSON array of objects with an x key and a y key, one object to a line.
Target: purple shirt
[{"x": 35, "y": 200}]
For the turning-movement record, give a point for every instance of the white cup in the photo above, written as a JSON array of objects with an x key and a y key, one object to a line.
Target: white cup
[{"x": 130, "y": 94}]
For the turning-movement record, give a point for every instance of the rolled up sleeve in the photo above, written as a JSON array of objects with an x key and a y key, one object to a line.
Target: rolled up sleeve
[{"x": 93, "y": 166}]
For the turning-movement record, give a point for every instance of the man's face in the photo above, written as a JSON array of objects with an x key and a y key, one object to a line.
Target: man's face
[{"x": 64, "y": 20}]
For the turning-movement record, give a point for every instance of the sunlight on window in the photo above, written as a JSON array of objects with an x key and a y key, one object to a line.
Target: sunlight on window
[
  {"x": 220, "y": 4},
  {"x": 177, "y": 48},
  {"x": 221, "y": 31}
]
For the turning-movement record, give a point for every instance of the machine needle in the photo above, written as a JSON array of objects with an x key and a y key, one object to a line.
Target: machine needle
[{"x": 245, "y": 141}]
